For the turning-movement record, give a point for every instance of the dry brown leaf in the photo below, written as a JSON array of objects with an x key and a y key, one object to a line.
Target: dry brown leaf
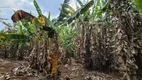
[{"x": 20, "y": 14}]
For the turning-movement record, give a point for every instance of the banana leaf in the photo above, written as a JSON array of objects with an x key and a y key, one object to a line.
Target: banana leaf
[
  {"x": 20, "y": 14},
  {"x": 47, "y": 25},
  {"x": 62, "y": 14},
  {"x": 138, "y": 4},
  {"x": 37, "y": 8},
  {"x": 70, "y": 9},
  {"x": 41, "y": 22},
  {"x": 80, "y": 3},
  {"x": 9, "y": 37},
  {"x": 80, "y": 11}
]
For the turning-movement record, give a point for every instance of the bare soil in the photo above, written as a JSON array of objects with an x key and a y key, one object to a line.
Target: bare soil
[{"x": 20, "y": 70}]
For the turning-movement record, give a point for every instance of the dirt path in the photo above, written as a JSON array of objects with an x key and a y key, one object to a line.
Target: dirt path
[
  {"x": 75, "y": 71},
  {"x": 19, "y": 70},
  {"x": 14, "y": 70}
]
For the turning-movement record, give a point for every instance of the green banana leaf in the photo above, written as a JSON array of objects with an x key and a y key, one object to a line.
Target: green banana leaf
[
  {"x": 138, "y": 4},
  {"x": 62, "y": 13},
  {"x": 70, "y": 9},
  {"x": 49, "y": 26},
  {"x": 10, "y": 36},
  {"x": 37, "y": 8},
  {"x": 80, "y": 11}
]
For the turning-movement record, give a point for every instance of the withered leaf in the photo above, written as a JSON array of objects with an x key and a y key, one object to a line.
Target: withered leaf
[{"x": 20, "y": 14}]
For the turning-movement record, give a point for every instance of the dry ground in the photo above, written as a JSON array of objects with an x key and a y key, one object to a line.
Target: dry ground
[{"x": 19, "y": 70}]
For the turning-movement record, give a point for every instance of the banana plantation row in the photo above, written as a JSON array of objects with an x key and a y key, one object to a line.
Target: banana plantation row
[{"x": 103, "y": 35}]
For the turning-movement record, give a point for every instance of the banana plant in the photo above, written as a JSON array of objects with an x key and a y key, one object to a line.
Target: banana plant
[
  {"x": 67, "y": 35},
  {"x": 42, "y": 22},
  {"x": 66, "y": 9},
  {"x": 12, "y": 34},
  {"x": 80, "y": 11},
  {"x": 48, "y": 25},
  {"x": 66, "y": 17}
]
